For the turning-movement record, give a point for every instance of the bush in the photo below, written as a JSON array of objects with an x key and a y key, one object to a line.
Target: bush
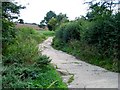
[
  {"x": 21, "y": 58},
  {"x": 47, "y": 33},
  {"x": 68, "y": 31},
  {"x": 43, "y": 61},
  {"x": 104, "y": 36},
  {"x": 26, "y": 33},
  {"x": 24, "y": 49},
  {"x": 31, "y": 76},
  {"x": 22, "y": 52},
  {"x": 96, "y": 41},
  {"x": 57, "y": 43}
]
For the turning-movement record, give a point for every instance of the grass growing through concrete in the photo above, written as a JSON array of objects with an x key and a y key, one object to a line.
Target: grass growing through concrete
[{"x": 70, "y": 79}]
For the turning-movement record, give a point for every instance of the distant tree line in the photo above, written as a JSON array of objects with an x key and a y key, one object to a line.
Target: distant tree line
[{"x": 52, "y": 21}]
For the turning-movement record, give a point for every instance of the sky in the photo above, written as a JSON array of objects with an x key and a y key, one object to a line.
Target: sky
[{"x": 36, "y": 9}]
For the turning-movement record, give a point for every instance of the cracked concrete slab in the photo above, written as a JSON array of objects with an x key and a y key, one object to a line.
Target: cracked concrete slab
[{"x": 85, "y": 75}]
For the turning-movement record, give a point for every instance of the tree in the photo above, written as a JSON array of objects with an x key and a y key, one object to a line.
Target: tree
[
  {"x": 9, "y": 10},
  {"x": 46, "y": 20},
  {"x": 61, "y": 18},
  {"x": 55, "y": 22},
  {"x": 42, "y": 24},
  {"x": 21, "y": 21},
  {"x": 52, "y": 23},
  {"x": 98, "y": 12},
  {"x": 49, "y": 15}
]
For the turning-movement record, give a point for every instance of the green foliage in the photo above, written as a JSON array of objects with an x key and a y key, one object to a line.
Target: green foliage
[
  {"x": 57, "y": 43},
  {"x": 52, "y": 24},
  {"x": 49, "y": 15},
  {"x": 28, "y": 33},
  {"x": 68, "y": 32},
  {"x": 61, "y": 17},
  {"x": 49, "y": 20},
  {"x": 43, "y": 60},
  {"x": 31, "y": 76},
  {"x": 94, "y": 39},
  {"x": 71, "y": 79},
  {"x": 8, "y": 32},
  {"x": 46, "y": 79},
  {"x": 52, "y": 21},
  {"x": 10, "y": 8},
  {"x": 24, "y": 66},
  {"x": 42, "y": 24},
  {"x": 47, "y": 33},
  {"x": 102, "y": 34},
  {"x": 24, "y": 49},
  {"x": 21, "y": 21},
  {"x": 98, "y": 12}
]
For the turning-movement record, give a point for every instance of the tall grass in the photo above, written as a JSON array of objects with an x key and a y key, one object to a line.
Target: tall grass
[
  {"x": 25, "y": 66},
  {"x": 47, "y": 33}
]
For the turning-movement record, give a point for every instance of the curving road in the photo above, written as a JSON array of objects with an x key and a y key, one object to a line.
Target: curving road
[{"x": 77, "y": 73}]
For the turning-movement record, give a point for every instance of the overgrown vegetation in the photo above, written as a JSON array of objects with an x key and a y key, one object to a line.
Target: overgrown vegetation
[
  {"x": 52, "y": 21},
  {"x": 47, "y": 33},
  {"x": 94, "y": 38},
  {"x": 23, "y": 65}
]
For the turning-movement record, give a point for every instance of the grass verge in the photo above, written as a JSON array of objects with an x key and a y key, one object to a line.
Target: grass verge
[
  {"x": 24, "y": 66},
  {"x": 47, "y": 33},
  {"x": 87, "y": 54}
]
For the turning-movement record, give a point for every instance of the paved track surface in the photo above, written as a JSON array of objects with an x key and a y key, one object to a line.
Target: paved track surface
[{"x": 77, "y": 73}]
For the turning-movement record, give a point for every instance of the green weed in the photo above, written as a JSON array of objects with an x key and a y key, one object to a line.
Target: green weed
[
  {"x": 25, "y": 67},
  {"x": 47, "y": 33},
  {"x": 70, "y": 79}
]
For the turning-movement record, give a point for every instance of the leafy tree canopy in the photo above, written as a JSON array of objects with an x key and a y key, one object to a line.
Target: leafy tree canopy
[
  {"x": 21, "y": 21},
  {"x": 10, "y": 9},
  {"x": 61, "y": 17},
  {"x": 98, "y": 11},
  {"x": 48, "y": 16}
]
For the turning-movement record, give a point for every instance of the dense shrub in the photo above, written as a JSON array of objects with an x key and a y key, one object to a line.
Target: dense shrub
[
  {"x": 8, "y": 34},
  {"x": 95, "y": 41},
  {"x": 28, "y": 33},
  {"x": 104, "y": 36},
  {"x": 24, "y": 49},
  {"x": 25, "y": 66},
  {"x": 43, "y": 60},
  {"x": 69, "y": 31},
  {"x": 31, "y": 76},
  {"x": 47, "y": 33}
]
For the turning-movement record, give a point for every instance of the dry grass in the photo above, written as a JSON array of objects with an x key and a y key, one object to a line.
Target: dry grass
[{"x": 36, "y": 27}]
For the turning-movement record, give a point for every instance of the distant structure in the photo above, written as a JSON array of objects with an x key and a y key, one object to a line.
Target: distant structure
[{"x": 30, "y": 25}]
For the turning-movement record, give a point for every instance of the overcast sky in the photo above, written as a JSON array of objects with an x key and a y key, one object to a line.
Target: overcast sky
[{"x": 37, "y": 9}]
